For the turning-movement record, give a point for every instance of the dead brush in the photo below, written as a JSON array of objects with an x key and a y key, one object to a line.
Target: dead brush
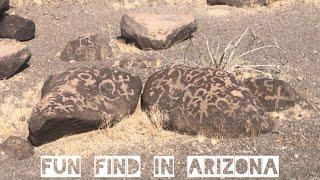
[{"x": 227, "y": 60}]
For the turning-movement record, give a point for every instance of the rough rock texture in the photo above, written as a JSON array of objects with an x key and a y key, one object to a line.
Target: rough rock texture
[
  {"x": 204, "y": 101},
  {"x": 16, "y": 27},
  {"x": 142, "y": 65},
  {"x": 239, "y": 3},
  {"x": 13, "y": 55},
  {"x": 151, "y": 30},
  {"x": 80, "y": 100},
  {"x": 16, "y": 147},
  {"x": 88, "y": 47},
  {"x": 4, "y": 5},
  {"x": 274, "y": 94}
]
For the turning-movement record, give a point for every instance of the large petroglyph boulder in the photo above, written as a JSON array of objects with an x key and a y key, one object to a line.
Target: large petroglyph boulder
[
  {"x": 204, "y": 101},
  {"x": 273, "y": 94},
  {"x": 80, "y": 100},
  {"x": 150, "y": 30},
  {"x": 16, "y": 27},
  {"x": 88, "y": 47},
  {"x": 13, "y": 55}
]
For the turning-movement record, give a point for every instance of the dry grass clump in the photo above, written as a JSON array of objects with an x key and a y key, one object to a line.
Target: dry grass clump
[{"x": 136, "y": 130}]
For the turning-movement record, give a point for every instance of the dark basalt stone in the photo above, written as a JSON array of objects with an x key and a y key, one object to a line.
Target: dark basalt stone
[
  {"x": 87, "y": 47},
  {"x": 274, "y": 94},
  {"x": 4, "y": 5},
  {"x": 204, "y": 101},
  {"x": 150, "y": 30},
  {"x": 80, "y": 100},
  {"x": 13, "y": 56},
  {"x": 16, "y": 27},
  {"x": 239, "y": 3}
]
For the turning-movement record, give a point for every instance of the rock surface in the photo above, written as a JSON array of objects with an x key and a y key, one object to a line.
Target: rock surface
[
  {"x": 87, "y": 47},
  {"x": 4, "y": 5},
  {"x": 80, "y": 100},
  {"x": 142, "y": 65},
  {"x": 151, "y": 30},
  {"x": 274, "y": 94},
  {"x": 16, "y": 27},
  {"x": 13, "y": 55},
  {"x": 239, "y": 3},
  {"x": 17, "y": 148},
  {"x": 204, "y": 101}
]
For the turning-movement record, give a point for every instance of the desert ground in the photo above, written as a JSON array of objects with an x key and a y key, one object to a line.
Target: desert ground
[{"x": 293, "y": 26}]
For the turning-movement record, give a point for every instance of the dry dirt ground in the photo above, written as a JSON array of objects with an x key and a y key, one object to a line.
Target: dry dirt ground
[{"x": 293, "y": 25}]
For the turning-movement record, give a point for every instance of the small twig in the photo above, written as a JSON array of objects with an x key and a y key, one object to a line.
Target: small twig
[{"x": 257, "y": 49}]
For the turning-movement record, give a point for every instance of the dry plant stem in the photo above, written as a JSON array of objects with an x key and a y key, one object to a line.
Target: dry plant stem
[
  {"x": 209, "y": 51},
  {"x": 259, "y": 48},
  {"x": 235, "y": 46}
]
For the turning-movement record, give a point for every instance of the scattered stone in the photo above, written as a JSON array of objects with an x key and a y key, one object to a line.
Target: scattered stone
[
  {"x": 88, "y": 47},
  {"x": 141, "y": 65},
  {"x": 239, "y": 3},
  {"x": 16, "y": 147},
  {"x": 13, "y": 55},
  {"x": 274, "y": 94},
  {"x": 16, "y": 27},
  {"x": 204, "y": 101},
  {"x": 4, "y": 5},
  {"x": 80, "y": 100},
  {"x": 157, "y": 30}
]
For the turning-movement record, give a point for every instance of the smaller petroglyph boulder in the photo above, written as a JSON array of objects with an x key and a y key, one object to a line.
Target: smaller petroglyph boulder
[
  {"x": 16, "y": 27},
  {"x": 142, "y": 65},
  {"x": 204, "y": 101},
  {"x": 80, "y": 100},
  {"x": 4, "y": 5},
  {"x": 17, "y": 148},
  {"x": 274, "y": 94},
  {"x": 150, "y": 30},
  {"x": 13, "y": 55},
  {"x": 87, "y": 47},
  {"x": 239, "y": 3}
]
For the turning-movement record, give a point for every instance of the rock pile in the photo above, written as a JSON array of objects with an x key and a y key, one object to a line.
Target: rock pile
[{"x": 13, "y": 55}]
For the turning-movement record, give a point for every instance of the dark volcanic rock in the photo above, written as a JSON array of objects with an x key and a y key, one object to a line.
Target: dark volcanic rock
[
  {"x": 204, "y": 101},
  {"x": 4, "y": 5},
  {"x": 16, "y": 27},
  {"x": 13, "y": 55},
  {"x": 239, "y": 3},
  {"x": 81, "y": 100},
  {"x": 142, "y": 65},
  {"x": 151, "y": 30},
  {"x": 88, "y": 47},
  {"x": 274, "y": 94},
  {"x": 16, "y": 147}
]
